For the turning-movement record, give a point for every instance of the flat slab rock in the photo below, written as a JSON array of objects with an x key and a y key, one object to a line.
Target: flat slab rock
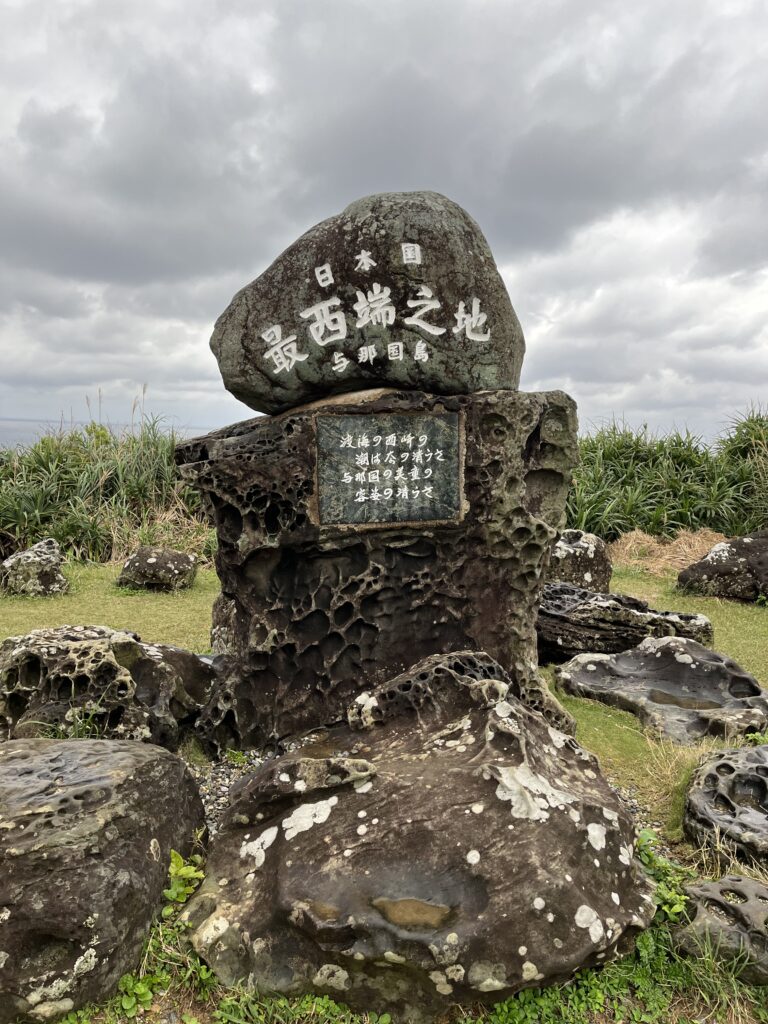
[
  {"x": 399, "y": 290},
  {"x": 152, "y": 568},
  {"x": 104, "y": 680},
  {"x": 582, "y": 559},
  {"x": 677, "y": 687},
  {"x": 446, "y": 845},
  {"x": 86, "y": 831},
  {"x": 726, "y": 807},
  {"x": 730, "y": 918},
  {"x": 573, "y": 620},
  {"x": 314, "y": 604},
  {"x": 35, "y": 572},
  {"x": 736, "y": 568}
]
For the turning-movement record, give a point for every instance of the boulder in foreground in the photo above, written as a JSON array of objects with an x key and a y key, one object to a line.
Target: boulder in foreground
[
  {"x": 151, "y": 568},
  {"x": 86, "y": 832},
  {"x": 726, "y": 807},
  {"x": 736, "y": 568},
  {"x": 35, "y": 572},
  {"x": 582, "y": 559},
  {"x": 675, "y": 686},
  {"x": 446, "y": 845},
  {"x": 573, "y": 620}
]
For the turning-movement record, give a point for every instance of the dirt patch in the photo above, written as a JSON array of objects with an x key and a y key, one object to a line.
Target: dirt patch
[{"x": 641, "y": 550}]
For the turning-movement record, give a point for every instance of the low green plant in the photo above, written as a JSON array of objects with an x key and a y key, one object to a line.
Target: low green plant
[
  {"x": 756, "y": 739},
  {"x": 183, "y": 878},
  {"x": 236, "y": 758}
]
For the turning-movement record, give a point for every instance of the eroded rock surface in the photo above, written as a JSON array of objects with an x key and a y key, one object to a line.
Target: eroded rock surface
[
  {"x": 582, "y": 559},
  {"x": 736, "y": 568},
  {"x": 730, "y": 918},
  {"x": 726, "y": 807},
  {"x": 151, "y": 568},
  {"x": 315, "y": 610},
  {"x": 86, "y": 830},
  {"x": 35, "y": 572},
  {"x": 100, "y": 680},
  {"x": 446, "y": 845},
  {"x": 573, "y": 620},
  {"x": 676, "y": 686},
  {"x": 399, "y": 290}
]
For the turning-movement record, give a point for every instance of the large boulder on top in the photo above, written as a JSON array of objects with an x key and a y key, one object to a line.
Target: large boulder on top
[
  {"x": 444, "y": 845},
  {"x": 573, "y": 620},
  {"x": 153, "y": 568},
  {"x": 35, "y": 572},
  {"x": 728, "y": 918},
  {"x": 677, "y": 687},
  {"x": 86, "y": 832},
  {"x": 736, "y": 568},
  {"x": 101, "y": 682},
  {"x": 399, "y": 290},
  {"x": 582, "y": 559},
  {"x": 726, "y": 807}
]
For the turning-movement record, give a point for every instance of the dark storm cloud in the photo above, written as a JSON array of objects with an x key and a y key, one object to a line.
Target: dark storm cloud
[{"x": 155, "y": 157}]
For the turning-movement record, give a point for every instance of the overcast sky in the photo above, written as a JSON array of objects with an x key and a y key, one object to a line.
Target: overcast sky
[{"x": 156, "y": 156}]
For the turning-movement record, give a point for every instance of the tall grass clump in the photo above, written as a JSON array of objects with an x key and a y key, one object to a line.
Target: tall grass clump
[
  {"x": 635, "y": 480},
  {"x": 98, "y": 492}
]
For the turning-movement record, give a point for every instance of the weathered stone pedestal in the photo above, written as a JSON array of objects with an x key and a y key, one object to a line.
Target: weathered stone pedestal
[{"x": 363, "y": 533}]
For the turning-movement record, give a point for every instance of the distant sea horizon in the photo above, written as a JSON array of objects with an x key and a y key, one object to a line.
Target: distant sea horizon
[{"x": 17, "y": 433}]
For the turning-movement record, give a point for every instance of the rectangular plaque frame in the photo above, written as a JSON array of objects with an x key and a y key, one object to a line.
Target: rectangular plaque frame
[{"x": 334, "y": 503}]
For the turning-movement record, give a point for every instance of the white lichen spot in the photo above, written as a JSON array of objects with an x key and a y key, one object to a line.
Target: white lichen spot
[
  {"x": 452, "y": 939},
  {"x": 625, "y": 855},
  {"x": 332, "y": 976},
  {"x": 441, "y": 983},
  {"x": 473, "y": 857},
  {"x": 529, "y": 794},
  {"x": 596, "y": 836},
  {"x": 362, "y": 787},
  {"x": 610, "y": 815},
  {"x": 590, "y": 774},
  {"x": 538, "y": 903},
  {"x": 522, "y": 950},
  {"x": 258, "y": 847},
  {"x": 574, "y": 815},
  {"x": 307, "y": 815},
  {"x": 154, "y": 849},
  {"x": 558, "y": 738},
  {"x": 300, "y": 785},
  {"x": 586, "y": 917},
  {"x": 616, "y": 898},
  {"x": 455, "y": 972},
  {"x": 530, "y": 971},
  {"x": 347, "y": 853},
  {"x": 393, "y": 958},
  {"x": 487, "y": 977},
  {"x": 550, "y": 918},
  {"x": 362, "y": 829},
  {"x": 503, "y": 709},
  {"x": 362, "y": 814},
  {"x": 85, "y": 963},
  {"x": 477, "y": 808}
]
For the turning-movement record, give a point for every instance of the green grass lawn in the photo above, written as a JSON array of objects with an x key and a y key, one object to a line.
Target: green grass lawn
[
  {"x": 651, "y": 985},
  {"x": 183, "y": 619}
]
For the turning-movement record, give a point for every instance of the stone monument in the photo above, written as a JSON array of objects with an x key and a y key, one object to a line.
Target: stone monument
[
  {"x": 383, "y": 536},
  {"x": 362, "y": 530}
]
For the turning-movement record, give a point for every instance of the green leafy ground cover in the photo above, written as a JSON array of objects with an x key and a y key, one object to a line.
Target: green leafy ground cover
[{"x": 652, "y": 985}]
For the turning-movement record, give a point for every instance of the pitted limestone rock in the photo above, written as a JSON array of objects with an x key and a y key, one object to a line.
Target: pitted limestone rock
[
  {"x": 436, "y": 314},
  {"x": 728, "y": 917},
  {"x": 736, "y": 568},
  {"x": 447, "y": 845},
  {"x": 675, "y": 686},
  {"x": 152, "y": 568},
  {"x": 573, "y": 620},
  {"x": 726, "y": 807},
  {"x": 105, "y": 680},
  {"x": 35, "y": 572},
  {"x": 86, "y": 831},
  {"x": 312, "y": 613},
  {"x": 582, "y": 559}
]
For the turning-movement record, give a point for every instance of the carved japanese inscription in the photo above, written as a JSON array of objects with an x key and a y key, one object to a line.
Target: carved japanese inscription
[{"x": 389, "y": 468}]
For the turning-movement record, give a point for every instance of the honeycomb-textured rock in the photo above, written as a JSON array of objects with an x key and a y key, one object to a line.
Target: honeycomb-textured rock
[
  {"x": 582, "y": 559},
  {"x": 726, "y": 807},
  {"x": 101, "y": 681},
  {"x": 736, "y": 568},
  {"x": 573, "y": 620},
  {"x": 150, "y": 568},
  {"x": 729, "y": 919},
  {"x": 316, "y": 613},
  {"x": 322, "y": 321},
  {"x": 445, "y": 845},
  {"x": 86, "y": 831},
  {"x": 675, "y": 686},
  {"x": 35, "y": 572}
]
